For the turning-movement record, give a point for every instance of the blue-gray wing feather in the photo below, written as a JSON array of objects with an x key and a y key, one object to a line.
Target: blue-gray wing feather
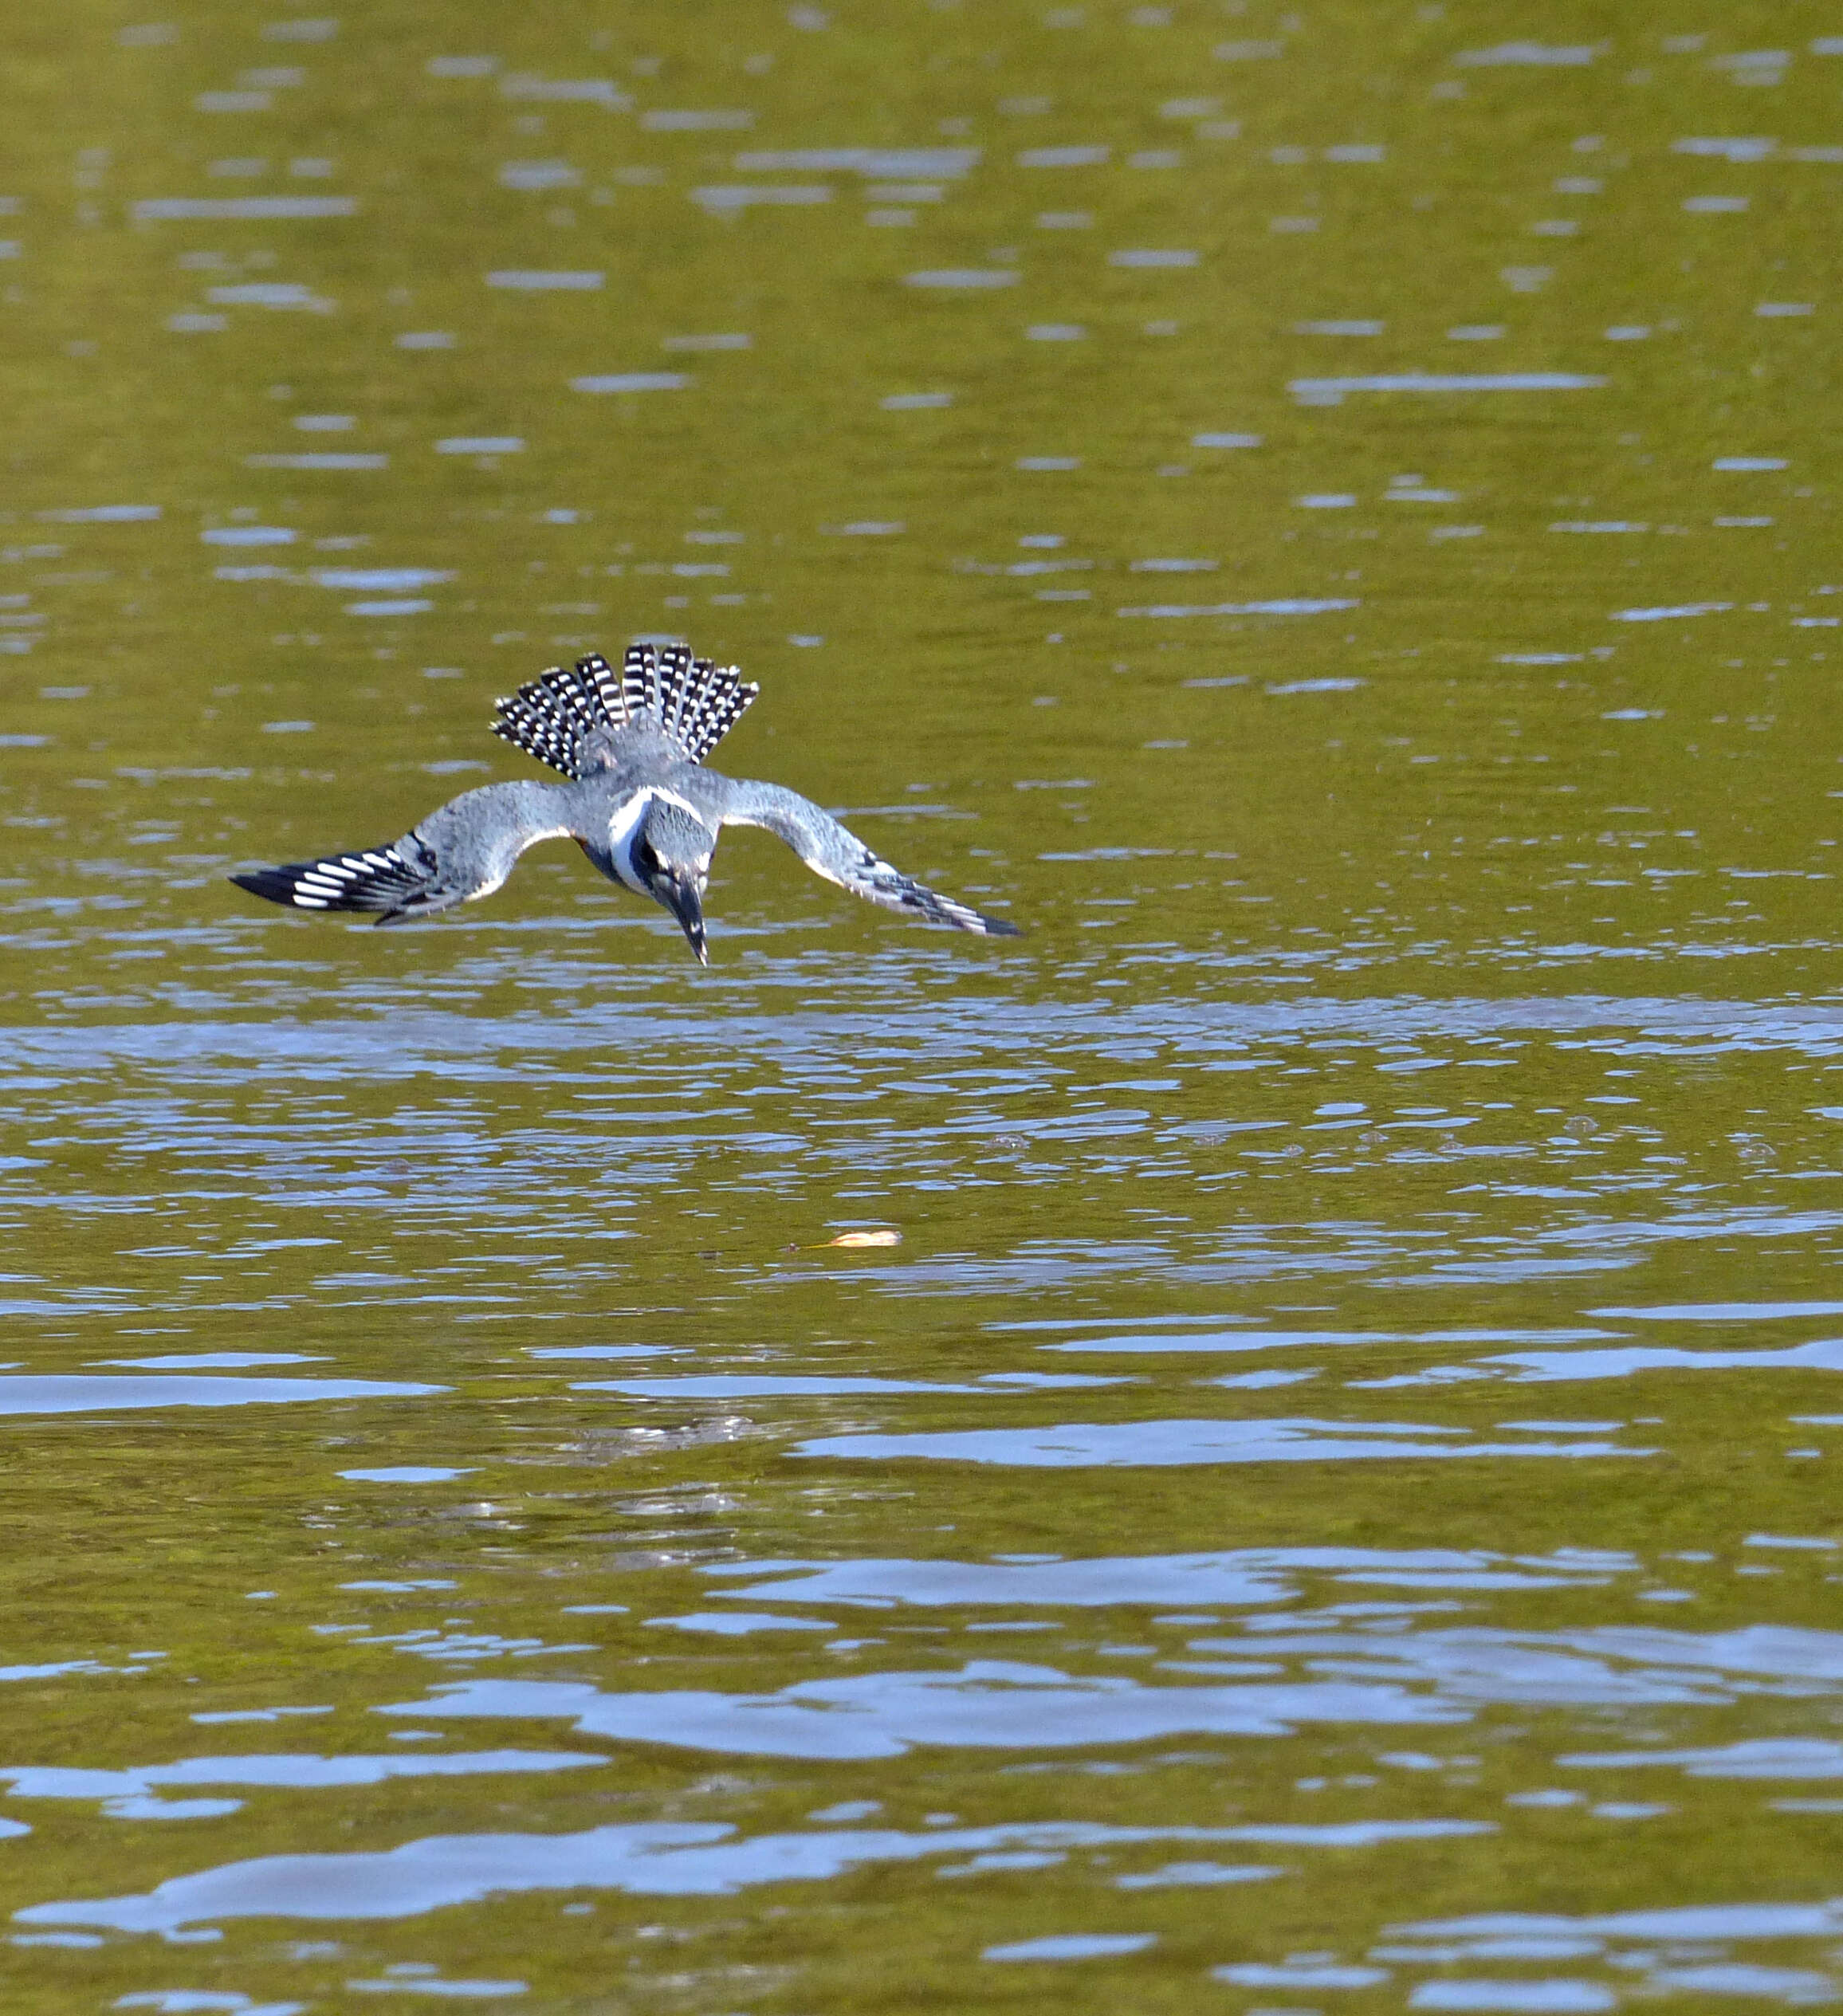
[
  {"x": 833, "y": 851},
  {"x": 461, "y": 852}
]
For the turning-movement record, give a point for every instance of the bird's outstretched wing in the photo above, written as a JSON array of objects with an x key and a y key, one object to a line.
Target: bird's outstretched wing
[
  {"x": 398, "y": 881},
  {"x": 833, "y": 851},
  {"x": 463, "y": 851}
]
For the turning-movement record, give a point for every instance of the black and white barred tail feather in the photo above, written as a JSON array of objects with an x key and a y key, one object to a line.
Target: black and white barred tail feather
[
  {"x": 566, "y": 716},
  {"x": 695, "y": 702},
  {"x": 557, "y": 716},
  {"x": 381, "y": 880}
]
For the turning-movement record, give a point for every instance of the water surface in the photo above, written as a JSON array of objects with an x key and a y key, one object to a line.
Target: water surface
[{"x": 1323, "y": 519}]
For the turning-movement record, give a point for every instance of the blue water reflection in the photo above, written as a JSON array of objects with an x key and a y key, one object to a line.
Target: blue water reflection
[
  {"x": 1078, "y": 1445},
  {"x": 987, "y": 1704},
  {"x": 135, "y": 1795},
  {"x": 1237, "y": 1576},
  {"x": 655, "y": 1859},
  {"x": 78, "y": 1392}
]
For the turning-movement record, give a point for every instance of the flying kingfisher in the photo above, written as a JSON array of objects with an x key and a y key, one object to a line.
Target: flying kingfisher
[{"x": 639, "y": 801}]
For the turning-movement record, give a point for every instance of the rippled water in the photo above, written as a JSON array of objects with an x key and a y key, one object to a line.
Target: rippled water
[{"x": 1320, "y": 517}]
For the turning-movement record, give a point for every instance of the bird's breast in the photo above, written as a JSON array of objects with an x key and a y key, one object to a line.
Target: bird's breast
[{"x": 624, "y": 824}]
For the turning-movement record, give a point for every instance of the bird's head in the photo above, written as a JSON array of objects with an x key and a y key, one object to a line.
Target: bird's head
[{"x": 671, "y": 855}]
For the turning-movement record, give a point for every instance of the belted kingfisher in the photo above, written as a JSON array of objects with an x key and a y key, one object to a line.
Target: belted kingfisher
[{"x": 638, "y": 802}]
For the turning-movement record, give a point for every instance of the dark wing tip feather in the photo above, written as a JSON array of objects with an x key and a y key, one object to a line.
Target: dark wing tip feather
[
  {"x": 374, "y": 879},
  {"x": 275, "y": 884},
  {"x": 930, "y": 903},
  {"x": 876, "y": 879}
]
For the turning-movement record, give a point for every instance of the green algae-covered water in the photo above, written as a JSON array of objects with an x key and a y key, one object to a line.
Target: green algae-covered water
[{"x": 1326, "y": 518}]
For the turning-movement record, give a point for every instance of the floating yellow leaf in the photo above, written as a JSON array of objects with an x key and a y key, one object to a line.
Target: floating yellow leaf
[{"x": 866, "y": 1239}]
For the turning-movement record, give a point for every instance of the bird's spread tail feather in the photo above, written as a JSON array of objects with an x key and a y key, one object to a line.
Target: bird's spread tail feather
[
  {"x": 565, "y": 716},
  {"x": 695, "y": 702},
  {"x": 555, "y": 716}
]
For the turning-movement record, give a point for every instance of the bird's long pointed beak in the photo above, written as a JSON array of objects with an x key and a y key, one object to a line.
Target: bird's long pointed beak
[{"x": 683, "y": 900}]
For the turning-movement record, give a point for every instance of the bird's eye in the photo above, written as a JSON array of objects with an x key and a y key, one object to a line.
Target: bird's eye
[{"x": 645, "y": 859}]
